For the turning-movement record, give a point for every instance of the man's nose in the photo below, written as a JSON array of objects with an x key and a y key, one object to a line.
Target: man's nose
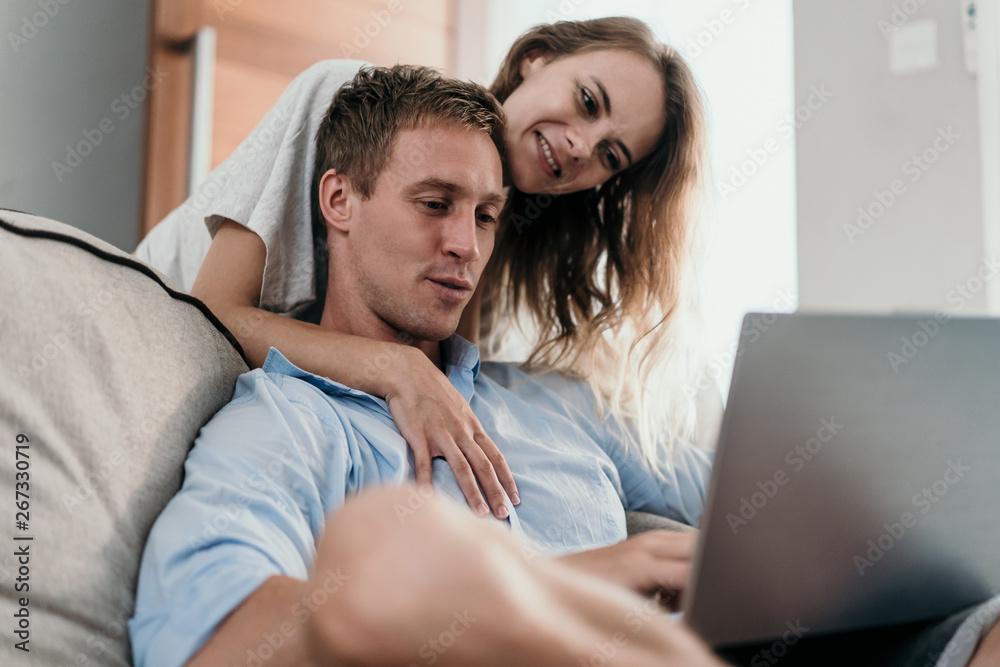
[{"x": 459, "y": 237}]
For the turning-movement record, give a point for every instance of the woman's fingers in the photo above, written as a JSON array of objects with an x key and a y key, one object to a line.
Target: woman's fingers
[
  {"x": 486, "y": 473},
  {"x": 421, "y": 462},
  {"x": 436, "y": 421},
  {"x": 500, "y": 467},
  {"x": 465, "y": 477}
]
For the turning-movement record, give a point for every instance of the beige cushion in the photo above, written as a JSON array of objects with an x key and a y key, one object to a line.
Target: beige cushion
[{"x": 109, "y": 373}]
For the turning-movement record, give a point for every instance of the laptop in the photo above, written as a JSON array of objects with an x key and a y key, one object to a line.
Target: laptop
[{"x": 857, "y": 477}]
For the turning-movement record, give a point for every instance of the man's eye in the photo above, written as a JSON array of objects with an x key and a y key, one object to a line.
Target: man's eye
[
  {"x": 588, "y": 102},
  {"x": 486, "y": 218},
  {"x": 436, "y": 205}
]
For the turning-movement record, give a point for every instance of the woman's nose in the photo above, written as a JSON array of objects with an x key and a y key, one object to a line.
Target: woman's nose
[{"x": 581, "y": 144}]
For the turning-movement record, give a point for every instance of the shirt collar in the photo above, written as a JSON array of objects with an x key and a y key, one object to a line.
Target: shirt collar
[{"x": 461, "y": 366}]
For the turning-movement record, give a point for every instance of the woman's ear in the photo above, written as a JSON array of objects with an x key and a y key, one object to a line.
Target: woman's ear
[
  {"x": 533, "y": 60},
  {"x": 335, "y": 200}
]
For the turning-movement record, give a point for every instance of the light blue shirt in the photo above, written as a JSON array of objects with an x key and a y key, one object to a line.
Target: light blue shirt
[{"x": 267, "y": 471}]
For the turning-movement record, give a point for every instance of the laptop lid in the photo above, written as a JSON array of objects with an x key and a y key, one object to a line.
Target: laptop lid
[{"x": 857, "y": 478}]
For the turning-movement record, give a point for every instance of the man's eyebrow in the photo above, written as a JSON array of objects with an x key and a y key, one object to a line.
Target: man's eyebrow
[
  {"x": 607, "y": 109},
  {"x": 448, "y": 186}
]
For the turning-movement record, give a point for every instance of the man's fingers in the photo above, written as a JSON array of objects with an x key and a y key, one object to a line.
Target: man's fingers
[
  {"x": 671, "y": 576},
  {"x": 670, "y": 543},
  {"x": 500, "y": 467}
]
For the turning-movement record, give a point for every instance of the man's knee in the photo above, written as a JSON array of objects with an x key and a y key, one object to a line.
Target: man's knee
[
  {"x": 394, "y": 514},
  {"x": 408, "y": 531}
]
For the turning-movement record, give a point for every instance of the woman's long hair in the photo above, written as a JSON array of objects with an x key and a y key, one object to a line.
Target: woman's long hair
[{"x": 606, "y": 276}]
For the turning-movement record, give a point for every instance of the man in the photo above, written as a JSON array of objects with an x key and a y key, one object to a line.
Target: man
[
  {"x": 255, "y": 563},
  {"x": 411, "y": 204}
]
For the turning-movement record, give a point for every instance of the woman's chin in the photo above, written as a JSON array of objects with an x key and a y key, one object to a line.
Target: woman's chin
[{"x": 536, "y": 184}]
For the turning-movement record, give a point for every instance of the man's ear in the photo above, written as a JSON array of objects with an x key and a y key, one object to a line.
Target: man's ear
[
  {"x": 335, "y": 200},
  {"x": 533, "y": 60}
]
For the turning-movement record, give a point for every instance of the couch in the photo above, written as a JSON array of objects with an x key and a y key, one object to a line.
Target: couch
[{"x": 108, "y": 372}]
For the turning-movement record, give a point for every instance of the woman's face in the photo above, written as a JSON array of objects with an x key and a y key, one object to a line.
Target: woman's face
[{"x": 577, "y": 120}]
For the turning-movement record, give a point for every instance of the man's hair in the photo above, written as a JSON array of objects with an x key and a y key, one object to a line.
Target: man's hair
[{"x": 359, "y": 131}]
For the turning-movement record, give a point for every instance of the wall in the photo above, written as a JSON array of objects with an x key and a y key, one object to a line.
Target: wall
[
  {"x": 261, "y": 45},
  {"x": 902, "y": 148},
  {"x": 71, "y": 144},
  {"x": 741, "y": 54}
]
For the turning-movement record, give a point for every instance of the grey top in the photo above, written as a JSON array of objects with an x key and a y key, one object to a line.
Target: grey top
[{"x": 264, "y": 185}]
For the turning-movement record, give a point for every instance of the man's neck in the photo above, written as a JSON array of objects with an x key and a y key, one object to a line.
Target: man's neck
[{"x": 368, "y": 325}]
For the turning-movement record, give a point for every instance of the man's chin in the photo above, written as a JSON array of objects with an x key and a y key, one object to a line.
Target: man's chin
[{"x": 428, "y": 333}]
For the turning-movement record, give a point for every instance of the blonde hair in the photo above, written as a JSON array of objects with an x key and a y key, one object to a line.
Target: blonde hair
[{"x": 607, "y": 275}]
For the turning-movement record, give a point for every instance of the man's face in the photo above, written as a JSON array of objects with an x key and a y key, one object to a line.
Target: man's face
[{"x": 417, "y": 247}]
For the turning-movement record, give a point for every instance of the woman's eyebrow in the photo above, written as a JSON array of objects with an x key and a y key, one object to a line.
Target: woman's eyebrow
[
  {"x": 607, "y": 108},
  {"x": 604, "y": 94}
]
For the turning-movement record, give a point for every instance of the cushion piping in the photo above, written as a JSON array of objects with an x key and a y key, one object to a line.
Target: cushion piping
[{"x": 131, "y": 263}]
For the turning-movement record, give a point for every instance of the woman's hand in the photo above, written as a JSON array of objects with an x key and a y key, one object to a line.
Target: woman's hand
[
  {"x": 651, "y": 563},
  {"x": 436, "y": 420},
  {"x": 430, "y": 413}
]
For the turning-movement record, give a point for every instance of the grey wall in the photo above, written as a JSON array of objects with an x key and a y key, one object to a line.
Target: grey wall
[
  {"x": 930, "y": 238},
  {"x": 64, "y": 67}
]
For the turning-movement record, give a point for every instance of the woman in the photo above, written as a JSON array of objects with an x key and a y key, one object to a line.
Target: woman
[{"x": 604, "y": 164}]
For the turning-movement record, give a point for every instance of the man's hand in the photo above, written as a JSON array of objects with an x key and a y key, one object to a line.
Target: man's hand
[
  {"x": 437, "y": 585},
  {"x": 659, "y": 560}
]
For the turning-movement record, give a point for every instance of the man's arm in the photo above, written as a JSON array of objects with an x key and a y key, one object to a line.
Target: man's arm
[
  {"x": 250, "y": 510},
  {"x": 441, "y": 587},
  {"x": 264, "y": 625}
]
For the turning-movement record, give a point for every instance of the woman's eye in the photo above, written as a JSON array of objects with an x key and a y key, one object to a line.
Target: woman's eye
[
  {"x": 588, "y": 102},
  {"x": 613, "y": 161}
]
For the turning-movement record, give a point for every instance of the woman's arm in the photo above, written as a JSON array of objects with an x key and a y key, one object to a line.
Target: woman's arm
[{"x": 430, "y": 413}]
